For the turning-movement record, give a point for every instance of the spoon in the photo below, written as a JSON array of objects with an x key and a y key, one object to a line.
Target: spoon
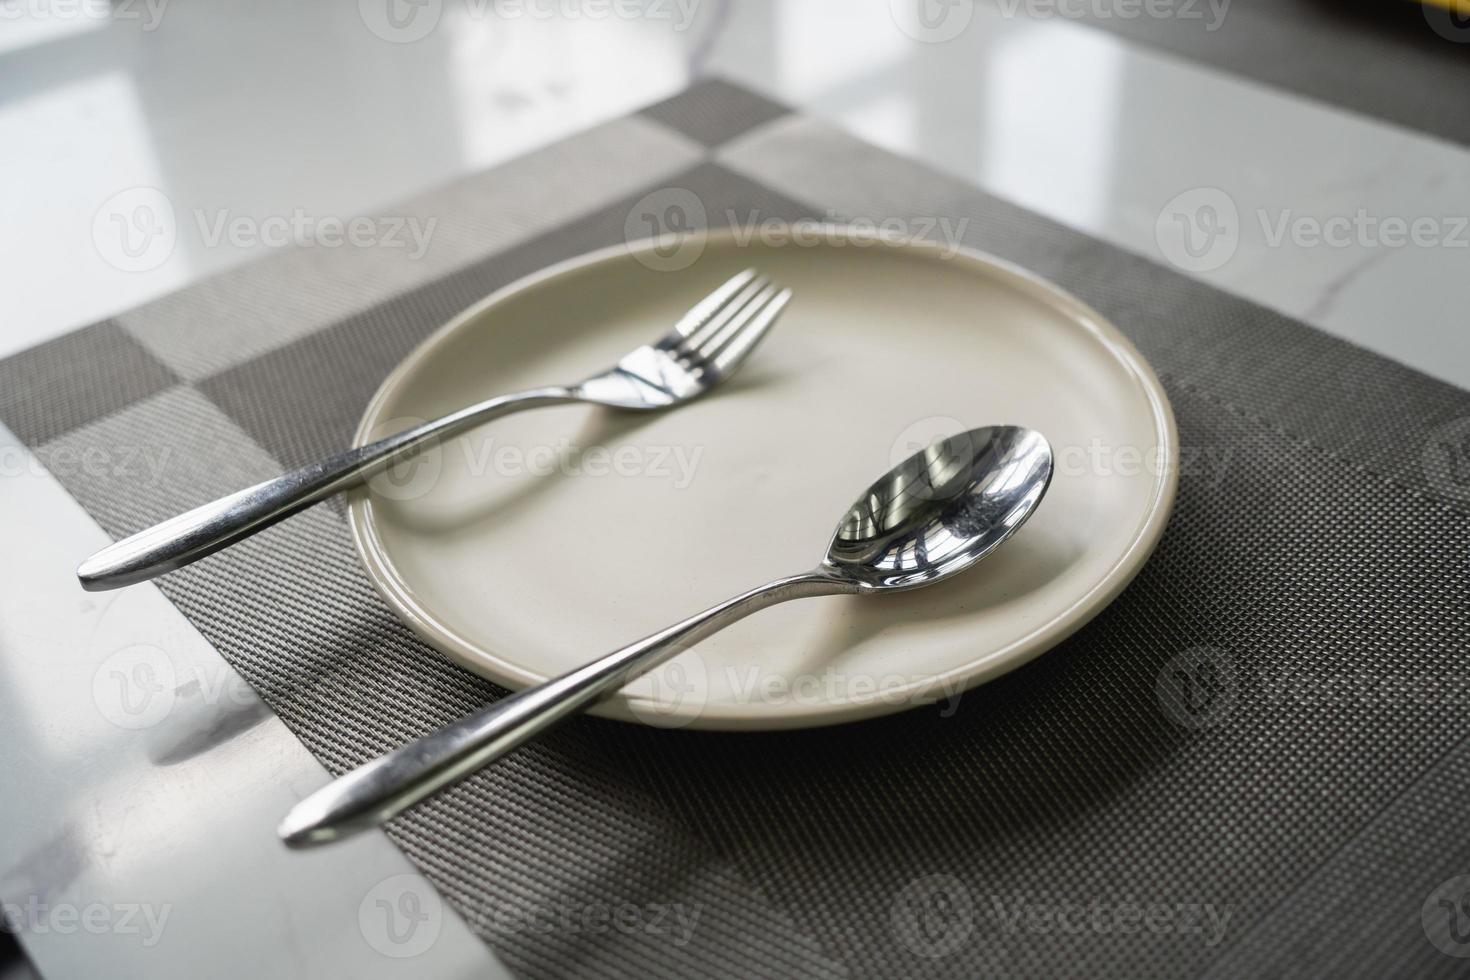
[{"x": 932, "y": 516}]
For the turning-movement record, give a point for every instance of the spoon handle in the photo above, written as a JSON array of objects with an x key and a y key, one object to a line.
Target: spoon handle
[
  {"x": 184, "y": 539},
  {"x": 378, "y": 791}
]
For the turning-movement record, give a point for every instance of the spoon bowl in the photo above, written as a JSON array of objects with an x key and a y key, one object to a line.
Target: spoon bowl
[{"x": 942, "y": 509}]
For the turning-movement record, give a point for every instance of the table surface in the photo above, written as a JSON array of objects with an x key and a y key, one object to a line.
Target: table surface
[{"x": 230, "y": 110}]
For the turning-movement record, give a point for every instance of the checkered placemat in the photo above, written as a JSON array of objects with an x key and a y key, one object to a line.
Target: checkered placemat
[{"x": 1254, "y": 762}]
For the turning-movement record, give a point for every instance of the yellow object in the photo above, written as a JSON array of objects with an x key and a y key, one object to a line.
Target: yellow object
[{"x": 1456, "y": 6}]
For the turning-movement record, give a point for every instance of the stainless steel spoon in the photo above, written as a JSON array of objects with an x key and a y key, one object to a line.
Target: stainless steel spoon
[{"x": 934, "y": 515}]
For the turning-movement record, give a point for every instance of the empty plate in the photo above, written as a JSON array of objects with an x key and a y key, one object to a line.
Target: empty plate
[{"x": 547, "y": 538}]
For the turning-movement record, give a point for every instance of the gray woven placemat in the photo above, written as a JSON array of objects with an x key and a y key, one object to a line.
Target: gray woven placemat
[{"x": 1254, "y": 762}]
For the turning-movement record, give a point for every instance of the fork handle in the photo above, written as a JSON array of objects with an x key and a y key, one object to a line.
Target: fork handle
[
  {"x": 204, "y": 530},
  {"x": 380, "y": 790}
]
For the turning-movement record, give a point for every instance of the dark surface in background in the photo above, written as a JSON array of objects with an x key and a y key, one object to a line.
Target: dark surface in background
[
  {"x": 1386, "y": 58},
  {"x": 13, "y": 962}
]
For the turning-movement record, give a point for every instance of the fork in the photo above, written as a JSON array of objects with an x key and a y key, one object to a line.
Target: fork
[{"x": 704, "y": 348}]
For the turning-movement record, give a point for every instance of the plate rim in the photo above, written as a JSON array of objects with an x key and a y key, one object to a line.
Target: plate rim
[{"x": 925, "y": 690}]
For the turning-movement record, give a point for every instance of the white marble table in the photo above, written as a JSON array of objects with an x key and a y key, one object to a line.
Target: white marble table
[{"x": 275, "y": 108}]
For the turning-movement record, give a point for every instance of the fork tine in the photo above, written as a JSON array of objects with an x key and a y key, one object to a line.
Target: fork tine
[
  {"x": 700, "y": 312},
  {"x": 711, "y": 341},
  {"x": 738, "y": 348},
  {"x": 697, "y": 341}
]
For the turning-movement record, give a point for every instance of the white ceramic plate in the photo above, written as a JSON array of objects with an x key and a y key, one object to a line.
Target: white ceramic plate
[{"x": 545, "y": 539}]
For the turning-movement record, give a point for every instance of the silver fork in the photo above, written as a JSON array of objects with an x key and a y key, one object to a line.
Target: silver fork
[{"x": 705, "y": 347}]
